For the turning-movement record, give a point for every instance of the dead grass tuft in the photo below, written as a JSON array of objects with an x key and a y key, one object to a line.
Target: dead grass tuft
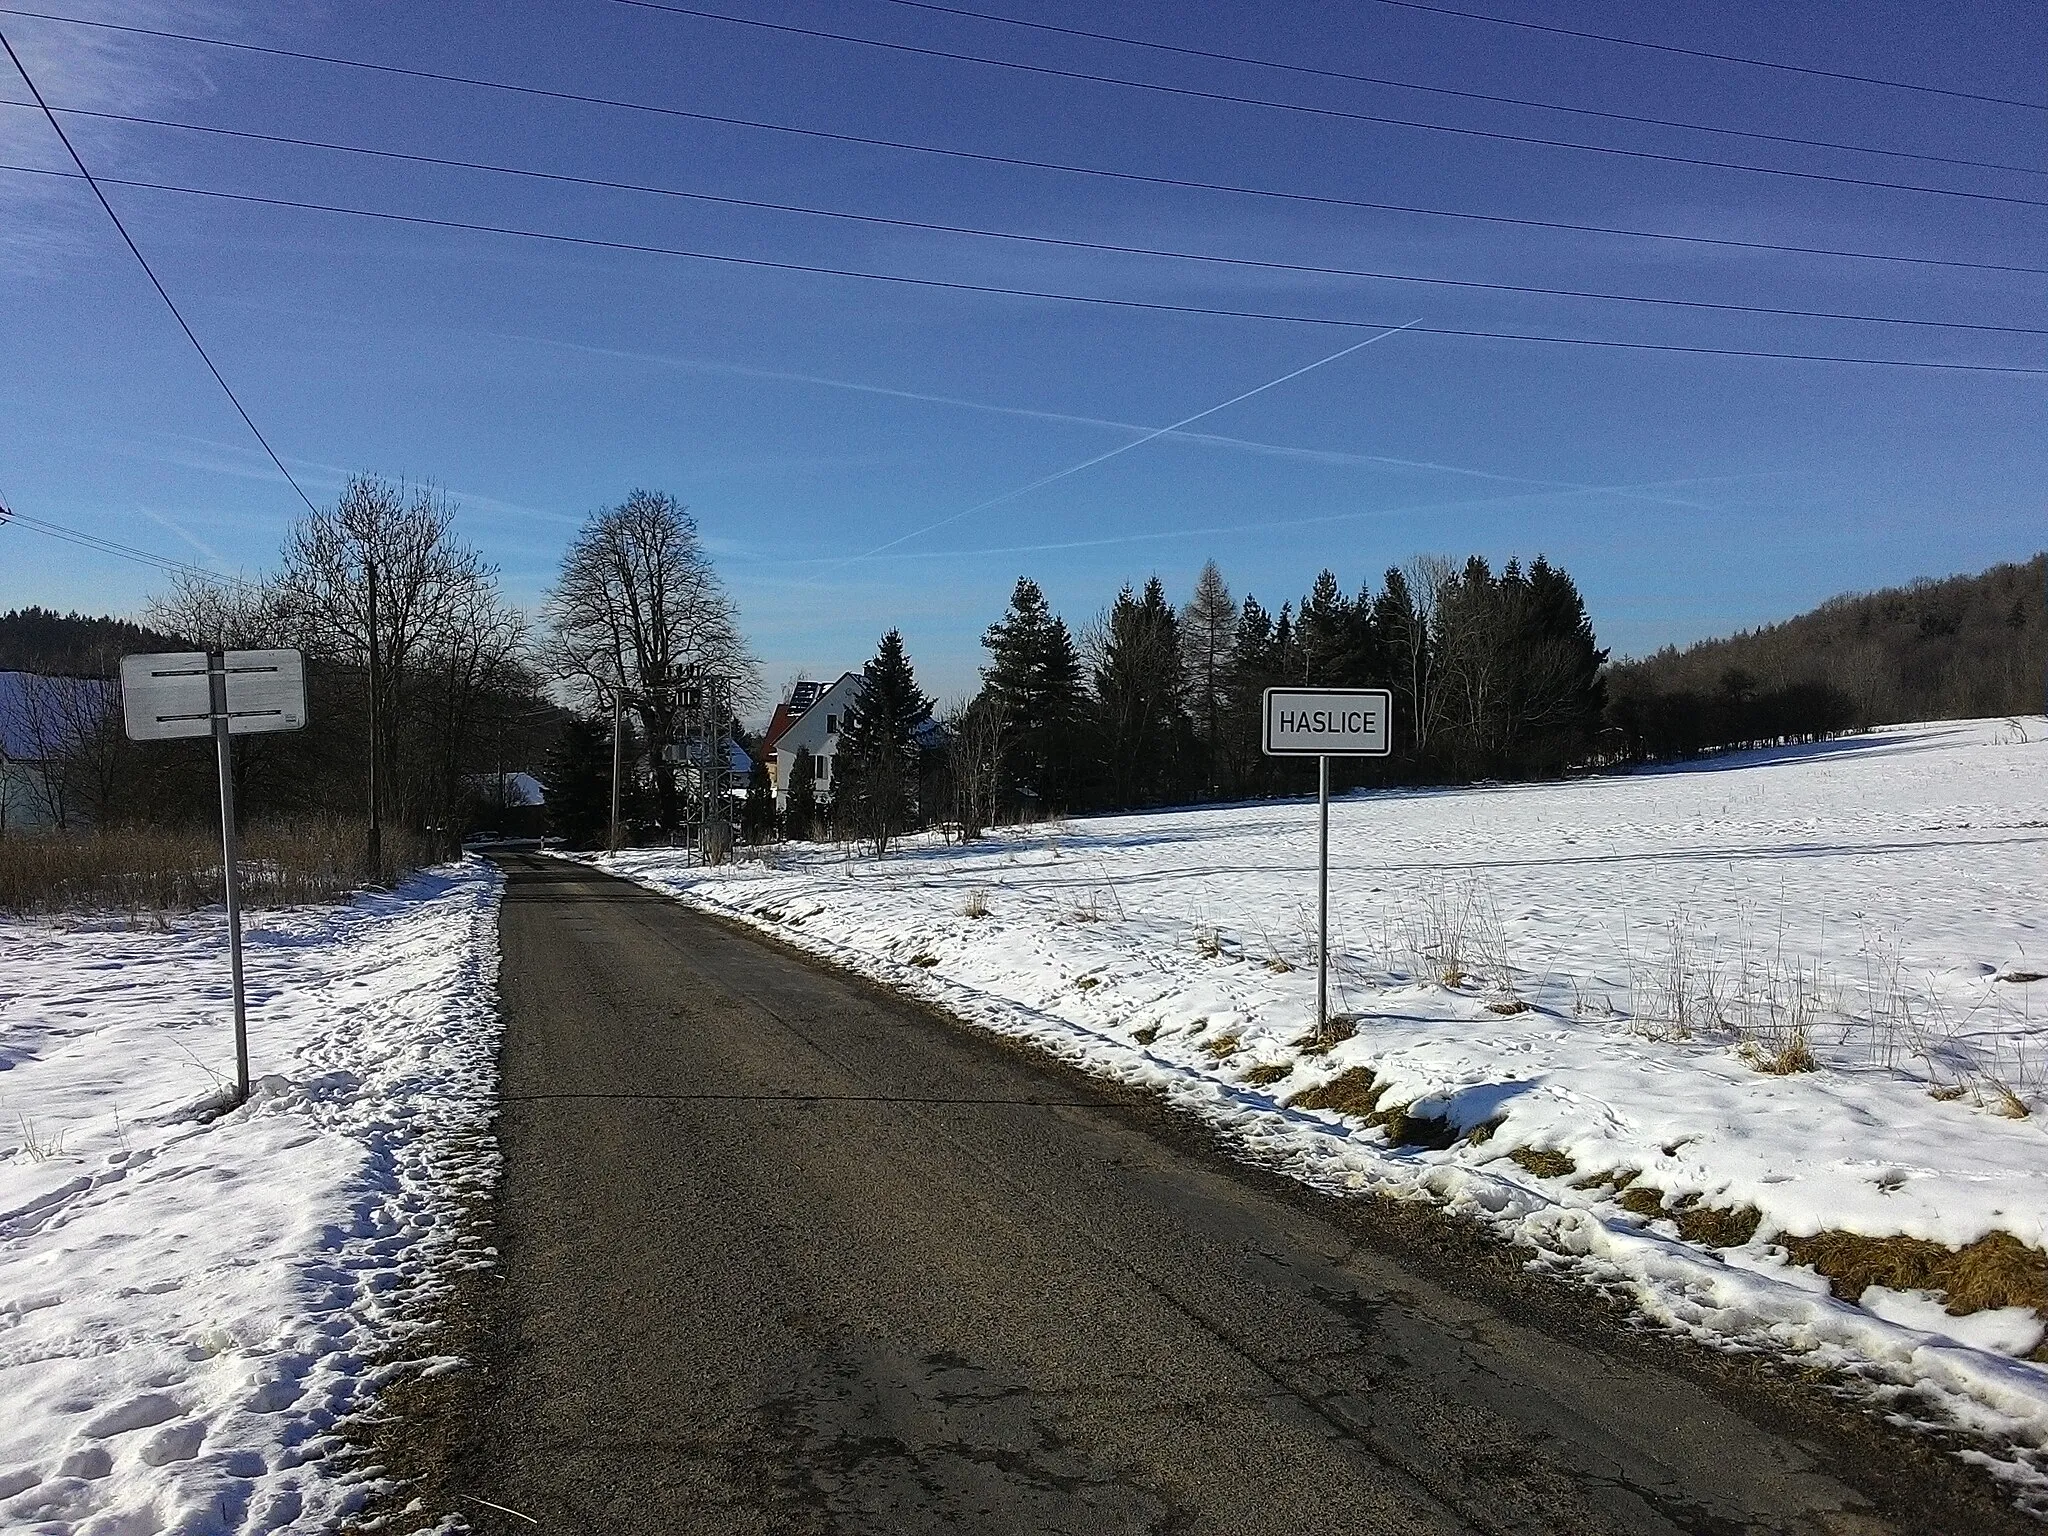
[
  {"x": 1480, "y": 1134},
  {"x": 1642, "y": 1200},
  {"x": 1335, "y": 1032},
  {"x": 1789, "y": 1055},
  {"x": 1088, "y": 983},
  {"x": 1354, "y": 1091},
  {"x": 975, "y": 903},
  {"x": 1279, "y": 965},
  {"x": 1145, "y": 1034},
  {"x": 1270, "y": 1072},
  {"x": 1544, "y": 1162},
  {"x": 1997, "y": 1270},
  {"x": 1406, "y": 1130},
  {"x": 1222, "y": 1046},
  {"x": 1208, "y": 942},
  {"x": 1948, "y": 1092},
  {"x": 1714, "y": 1226},
  {"x": 1508, "y": 1007},
  {"x": 924, "y": 962}
]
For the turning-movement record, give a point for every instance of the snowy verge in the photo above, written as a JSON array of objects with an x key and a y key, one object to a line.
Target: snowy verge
[
  {"x": 1590, "y": 975},
  {"x": 191, "y": 1301}
]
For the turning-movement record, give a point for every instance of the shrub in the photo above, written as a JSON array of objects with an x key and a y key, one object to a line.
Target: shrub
[{"x": 177, "y": 869}]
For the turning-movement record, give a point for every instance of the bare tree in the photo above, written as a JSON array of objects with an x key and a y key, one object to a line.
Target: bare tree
[
  {"x": 381, "y": 584},
  {"x": 72, "y": 735},
  {"x": 1427, "y": 576},
  {"x": 1208, "y": 633},
  {"x": 638, "y": 600},
  {"x": 977, "y": 737}
]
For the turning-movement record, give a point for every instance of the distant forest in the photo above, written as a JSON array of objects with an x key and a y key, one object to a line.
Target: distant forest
[
  {"x": 1958, "y": 648},
  {"x": 72, "y": 644}
]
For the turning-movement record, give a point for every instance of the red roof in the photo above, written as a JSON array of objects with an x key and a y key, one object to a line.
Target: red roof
[{"x": 778, "y": 722}]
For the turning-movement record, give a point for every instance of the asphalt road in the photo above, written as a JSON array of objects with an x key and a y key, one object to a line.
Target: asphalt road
[{"x": 782, "y": 1253}]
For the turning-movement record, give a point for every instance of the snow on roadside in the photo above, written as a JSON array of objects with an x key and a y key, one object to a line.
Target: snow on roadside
[
  {"x": 189, "y": 1304},
  {"x": 1626, "y": 954}
]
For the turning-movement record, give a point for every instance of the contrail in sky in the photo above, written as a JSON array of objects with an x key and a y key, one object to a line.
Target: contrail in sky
[{"x": 1075, "y": 469}]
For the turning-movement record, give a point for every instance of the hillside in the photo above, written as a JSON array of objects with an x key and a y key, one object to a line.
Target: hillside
[
  {"x": 72, "y": 644},
  {"x": 1953, "y": 649}
]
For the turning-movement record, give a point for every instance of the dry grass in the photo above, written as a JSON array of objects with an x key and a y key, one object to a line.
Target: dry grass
[
  {"x": 975, "y": 903},
  {"x": 1352, "y": 1092},
  {"x": 1714, "y": 1226},
  {"x": 1271, "y": 1072},
  {"x": 1644, "y": 1201},
  {"x": 1208, "y": 942},
  {"x": 1997, "y": 1270},
  {"x": 1544, "y": 1162},
  {"x": 1783, "y": 1058},
  {"x": 1356, "y": 1092},
  {"x": 1086, "y": 983},
  {"x": 1222, "y": 1046},
  {"x": 161, "y": 869},
  {"x": 1145, "y": 1034},
  {"x": 1335, "y": 1032}
]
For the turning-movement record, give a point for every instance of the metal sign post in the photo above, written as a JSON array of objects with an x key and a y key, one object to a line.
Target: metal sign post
[
  {"x": 1324, "y": 723},
  {"x": 222, "y": 695}
]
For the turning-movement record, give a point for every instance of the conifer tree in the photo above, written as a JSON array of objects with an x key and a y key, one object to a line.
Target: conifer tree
[
  {"x": 577, "y": 781},
  {"x": 1034, "y": 676},
  {"x": 1143, "y": 725},
  {"x": 875, "y": 795},
  {"x": 800, "y": 812},
  {"x": 1208, "y": 628},
  {"x": 757, "y": 811}
]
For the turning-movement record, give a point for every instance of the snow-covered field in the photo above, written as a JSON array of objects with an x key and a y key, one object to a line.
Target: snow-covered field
[
  {"x": 1599, "y": 977},
  {"x": 189, "y": 1303}
]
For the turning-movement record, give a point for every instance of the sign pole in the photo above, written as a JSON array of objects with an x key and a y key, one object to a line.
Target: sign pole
[
  {"x": 230, "y": 857},
  {"x": 618, "y": 758},
  {"x": 1323, "y": 723},
  {"x": 1323, "y": 899}
]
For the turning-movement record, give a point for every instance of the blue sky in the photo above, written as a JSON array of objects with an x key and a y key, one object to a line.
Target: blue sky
[{"x": 808, "y": 419}]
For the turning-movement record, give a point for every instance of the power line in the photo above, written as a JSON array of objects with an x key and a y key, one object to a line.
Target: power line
[
  {"x": 150, "y": 272},
  {"x": 1721, "y": 58},
  {"x": 1444, "y": 90},
  {"x": 99, "y": 545},
  {"x": 1335, "y": 113},
  {"x": 960, "y": 286},
  {"x": 1025, "y": 163},
  {"x": 1049, "y": 240}
]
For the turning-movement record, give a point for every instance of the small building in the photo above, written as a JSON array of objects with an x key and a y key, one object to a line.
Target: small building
[{"x": 809, "y": 721}]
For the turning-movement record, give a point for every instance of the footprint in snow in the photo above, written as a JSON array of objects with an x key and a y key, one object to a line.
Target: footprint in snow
[{"x": 144, "y": 1412}]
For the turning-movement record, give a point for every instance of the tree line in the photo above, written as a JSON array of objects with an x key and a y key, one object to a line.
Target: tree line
[
  {"x": 1492, "y": 674},
  {"x": 1156, "y": 703},
  {"x": 1960, "y": 648}
]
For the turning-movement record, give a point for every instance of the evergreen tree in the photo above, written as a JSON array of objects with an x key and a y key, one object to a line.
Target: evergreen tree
[
  {"x": 577, "y": 777},
  {"x": 877, "y": 765},
  {"x": 1252, "y": 670},
  {"x": 1208, "y": 629},
  {"x": 1144, "y": 736},
  {"x": 1034, "y": 677},
  {"x": 800, "y": 813},
  {"x": 757, "y": 811},
  {"x": 1324, "y": 634},
  {"x": 1556, "y": 693}
]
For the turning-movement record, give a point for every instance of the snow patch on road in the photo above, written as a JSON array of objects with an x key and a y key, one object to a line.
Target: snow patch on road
[
  {"x": 1598, "y": 971},
  {"x": 190, "y": 1302}
]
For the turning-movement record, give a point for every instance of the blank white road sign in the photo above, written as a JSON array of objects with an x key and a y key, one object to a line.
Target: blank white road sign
[
  {"x": 169, "y": 694},
  {"x": 1329, "y": 722}
]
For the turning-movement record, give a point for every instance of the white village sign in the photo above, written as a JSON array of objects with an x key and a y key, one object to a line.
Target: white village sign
[
  {"x": 227, "y": 693},
  {"x": 1324, "y": 723}
]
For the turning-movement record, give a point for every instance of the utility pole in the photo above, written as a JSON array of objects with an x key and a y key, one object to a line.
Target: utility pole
[
  {"x": 376, "y": 846},
  {"x": 618, "y": 756}
]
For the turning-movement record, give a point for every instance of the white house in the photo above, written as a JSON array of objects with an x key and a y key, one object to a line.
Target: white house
[{"x": 809, "y": 721}]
